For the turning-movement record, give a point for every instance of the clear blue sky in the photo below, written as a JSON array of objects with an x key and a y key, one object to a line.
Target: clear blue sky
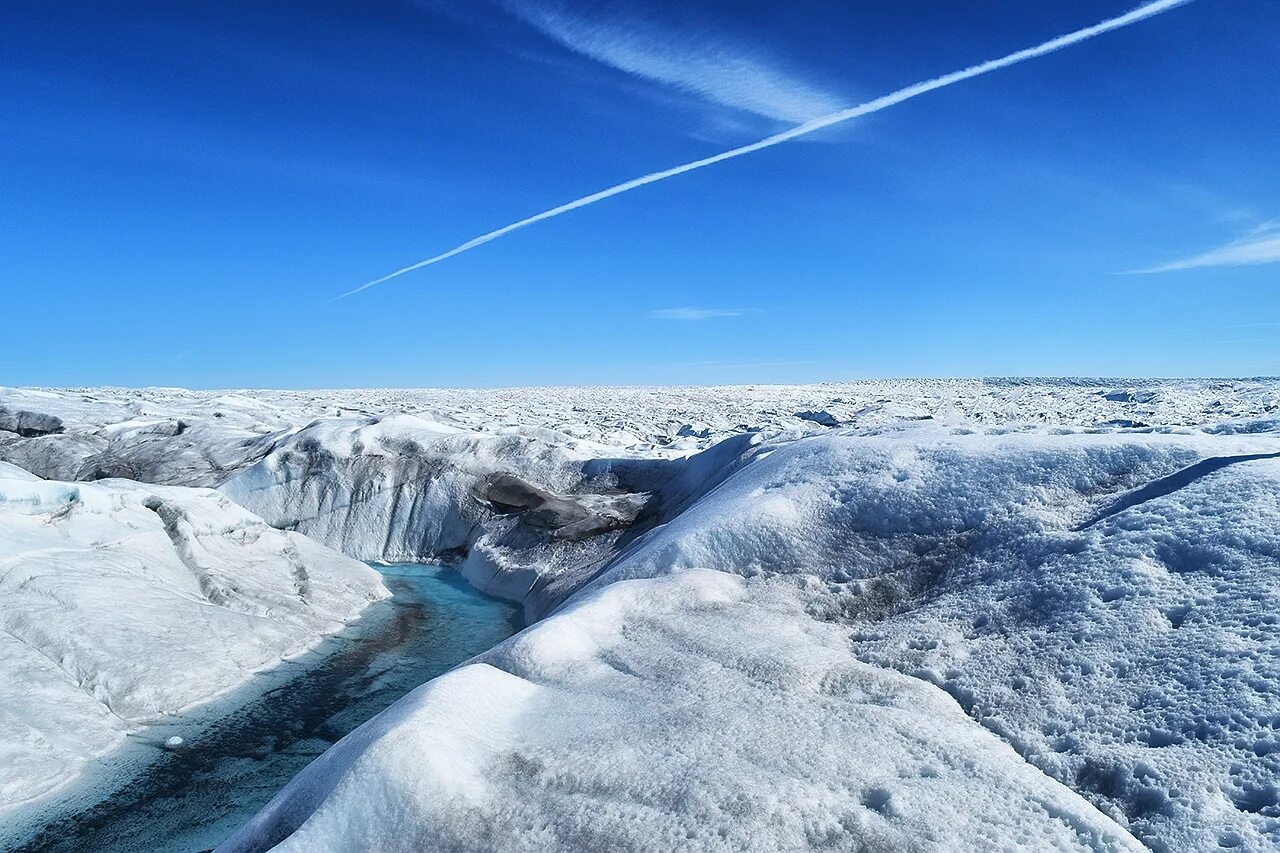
[{"x": 184, "y": 185}]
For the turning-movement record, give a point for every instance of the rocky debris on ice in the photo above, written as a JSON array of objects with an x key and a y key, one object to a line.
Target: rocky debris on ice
[
  {"x": 122, "y": 604},
  {"x": 565, "y": 517},
  {"x": 821, "y": 417}
]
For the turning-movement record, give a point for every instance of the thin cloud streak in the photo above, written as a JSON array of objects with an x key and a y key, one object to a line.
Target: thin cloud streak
[
  {"x": 719, "y": 73},
  {"x": 696, "y": 313},
  {"x": 1259, "y": 246},
  {"x": 1143, "y": 12}
]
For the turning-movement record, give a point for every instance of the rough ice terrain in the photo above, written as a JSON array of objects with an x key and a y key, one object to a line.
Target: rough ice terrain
[
  {"x": 121, "y": 603},
  {"x": 883, "y": 615}
]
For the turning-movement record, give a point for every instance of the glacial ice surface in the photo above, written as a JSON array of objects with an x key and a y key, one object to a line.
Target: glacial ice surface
[
  {"x": 945, "y": 615},
  {"x": 122, "y": 603}
]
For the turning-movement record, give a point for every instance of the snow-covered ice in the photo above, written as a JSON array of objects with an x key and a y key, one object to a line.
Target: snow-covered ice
[
  {"x": 875, "y": 615},
  {"x": 698, "y": 711},
  {"x": 214, "y": 434},
  {"x": 121, "y": 603}
]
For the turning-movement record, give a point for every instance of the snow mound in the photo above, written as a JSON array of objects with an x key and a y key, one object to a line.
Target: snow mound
[
  {"x": 626, "y": 722},
  {"x": 122, "y": 603}
]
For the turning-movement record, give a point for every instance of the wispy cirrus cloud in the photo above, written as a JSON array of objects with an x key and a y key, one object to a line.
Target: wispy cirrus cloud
[
  {"x": 1143, "y": 12},
  {"x": 696, "y": 313},
  {"x": 1260, "y": 245},
  {"x": 712, "y": 68}
]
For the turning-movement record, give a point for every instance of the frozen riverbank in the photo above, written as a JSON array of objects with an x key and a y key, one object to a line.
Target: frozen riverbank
[
  {"x": 236, "y": 753},
  {"x": 123, "y": 604}
]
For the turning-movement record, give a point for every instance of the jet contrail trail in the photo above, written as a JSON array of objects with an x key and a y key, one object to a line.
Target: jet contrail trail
[{"x": 1142, "y": 12}]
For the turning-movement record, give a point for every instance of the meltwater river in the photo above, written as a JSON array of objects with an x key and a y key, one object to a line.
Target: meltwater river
[{"x": 238, "y": 752}]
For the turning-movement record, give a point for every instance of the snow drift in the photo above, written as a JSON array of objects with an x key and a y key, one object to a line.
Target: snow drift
[
  {"x": 122, "y": 603},
  {"x": 631, "y": 721}
]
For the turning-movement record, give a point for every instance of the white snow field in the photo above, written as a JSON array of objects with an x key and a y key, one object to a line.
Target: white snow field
[
  {"x": 940, "y": 615},
  {"x": 122, "y": 603}
]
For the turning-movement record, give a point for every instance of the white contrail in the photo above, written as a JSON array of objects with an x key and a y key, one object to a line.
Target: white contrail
[{"x": 1142, "y": 12}]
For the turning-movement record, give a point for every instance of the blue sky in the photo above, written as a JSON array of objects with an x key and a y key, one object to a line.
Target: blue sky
[{"x": 187, "y": 185}]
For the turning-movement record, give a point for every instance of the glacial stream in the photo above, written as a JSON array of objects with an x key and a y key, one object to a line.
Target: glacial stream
[{"x": 238, "y": 752}]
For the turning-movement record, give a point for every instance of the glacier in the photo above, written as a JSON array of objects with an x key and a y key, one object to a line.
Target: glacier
[{"x": 1034, "y": 614}]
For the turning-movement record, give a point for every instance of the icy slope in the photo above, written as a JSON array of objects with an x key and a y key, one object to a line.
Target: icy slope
[
  {"x": 121, "y": 603},
  {"x": 769, "y": 667},
  {"x": 1136, "y": 660},
  {"x": 164, "y": 436}
]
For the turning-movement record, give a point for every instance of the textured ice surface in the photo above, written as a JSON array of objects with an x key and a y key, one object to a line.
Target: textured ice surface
[
  {"x": 121, "y": 603},
  {"x": 785, "y": 661},
  {"x": 1135, "y": 660},
  {"x": 699, "y": 711},
  {"x": 213, "y": 434}
]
